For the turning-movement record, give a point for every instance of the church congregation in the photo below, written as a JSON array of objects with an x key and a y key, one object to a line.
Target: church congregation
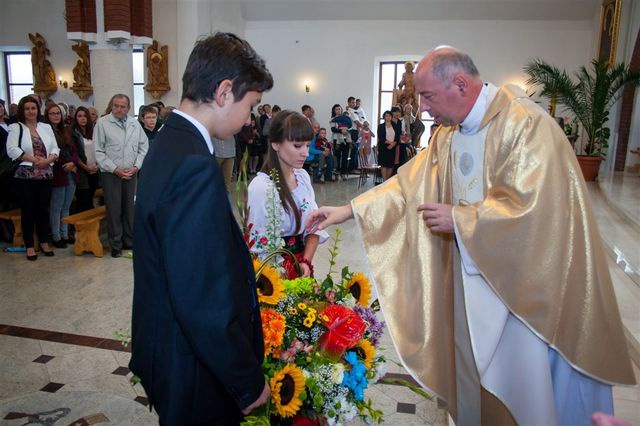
[{"x": 169, "y": 213}]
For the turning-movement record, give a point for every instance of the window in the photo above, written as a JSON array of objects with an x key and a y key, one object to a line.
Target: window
[
  {"x": 19, "y": 75},
  {"x": 390, "y": 75},
  {"x": 138, "y": 80}
]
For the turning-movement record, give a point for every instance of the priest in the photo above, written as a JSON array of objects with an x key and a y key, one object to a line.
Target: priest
[{"x": 488, "y": 261}]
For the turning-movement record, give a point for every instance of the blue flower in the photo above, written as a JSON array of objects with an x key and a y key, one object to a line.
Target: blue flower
[{"x": 356, "y": 378}]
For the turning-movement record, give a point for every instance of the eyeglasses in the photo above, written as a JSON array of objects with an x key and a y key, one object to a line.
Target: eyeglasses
[{"x": 55, "y": 113}]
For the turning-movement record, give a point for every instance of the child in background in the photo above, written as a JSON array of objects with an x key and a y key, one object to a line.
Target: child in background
[
  {"x": 364, "y": 140},
  {"x": 149, "y": 116},
  {"x": 327, "y": 159}
]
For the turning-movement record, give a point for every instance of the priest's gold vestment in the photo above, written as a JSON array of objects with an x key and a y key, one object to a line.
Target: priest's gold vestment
[{"x": 534, "y": 238}]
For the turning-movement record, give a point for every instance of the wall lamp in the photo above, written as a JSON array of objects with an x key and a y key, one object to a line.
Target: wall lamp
[{"x": 63, "y": 83}]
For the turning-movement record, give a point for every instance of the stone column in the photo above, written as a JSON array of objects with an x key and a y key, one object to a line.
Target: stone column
[{"x": 111, "y": 72}]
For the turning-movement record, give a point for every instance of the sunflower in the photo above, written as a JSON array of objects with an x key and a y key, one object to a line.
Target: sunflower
[
  {"x": 360, "y": 288},
  {"x": 286, "y": 386},
  {"x": 365, "y": 352},
  {"x": 270, "y": 287}
]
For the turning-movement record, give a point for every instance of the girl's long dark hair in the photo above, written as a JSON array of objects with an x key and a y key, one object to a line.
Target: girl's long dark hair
[
  {"x": 87, "y": 133},
  {"x": 287, "y": 126}
]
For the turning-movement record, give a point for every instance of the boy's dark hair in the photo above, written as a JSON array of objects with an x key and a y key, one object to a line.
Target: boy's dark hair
[
  {"x": 395, "y": 109},
  {"x": 276, "y": 108},
  {"x": 148, "y": 109},
  {"x": 224, "y": 56},
  {"x": 305, "y": 107},
  {"x": 351, "y": 98}
]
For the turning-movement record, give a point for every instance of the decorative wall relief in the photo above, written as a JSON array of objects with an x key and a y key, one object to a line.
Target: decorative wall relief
[
  {"x": 44, "y": 76},
  {"x": 609, "y": 25},
  {"x": 82, "y": 72},
  {"x": 157, "y": 70}
]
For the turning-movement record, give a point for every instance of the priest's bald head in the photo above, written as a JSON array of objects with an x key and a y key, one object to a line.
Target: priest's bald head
[{"x": 448, "y": 83}]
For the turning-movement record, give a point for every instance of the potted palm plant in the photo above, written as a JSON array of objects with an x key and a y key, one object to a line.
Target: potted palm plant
[{"x": 589, "y": 98}]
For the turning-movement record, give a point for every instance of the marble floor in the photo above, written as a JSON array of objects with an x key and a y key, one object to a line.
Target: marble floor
[{"x": 58, "y": 316}]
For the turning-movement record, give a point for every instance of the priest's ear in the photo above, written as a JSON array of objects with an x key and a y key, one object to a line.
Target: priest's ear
[
  {"x": 223, "y": 93},
  {"x": 461, "y": 82}
]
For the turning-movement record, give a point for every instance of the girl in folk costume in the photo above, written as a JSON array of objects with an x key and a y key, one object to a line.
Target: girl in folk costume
[
  {"x": 289, "y": 139},
  {"x": 364, "y": 141}
]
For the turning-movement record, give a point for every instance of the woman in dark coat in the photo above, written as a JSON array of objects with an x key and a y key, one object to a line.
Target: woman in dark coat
[{"x": 388, "y": 145}]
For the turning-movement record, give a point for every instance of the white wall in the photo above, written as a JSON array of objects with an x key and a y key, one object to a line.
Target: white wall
[{"x": 339, "y": 57}]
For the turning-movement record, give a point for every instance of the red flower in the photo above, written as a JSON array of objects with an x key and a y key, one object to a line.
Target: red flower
[
  {"x": 263, "y": 240},
  {"x": 300, "y": 420},
  {"x": 290, "y": 272},
  {"x": 247, "y": 236},
  {"x": 345, "y": 329}
]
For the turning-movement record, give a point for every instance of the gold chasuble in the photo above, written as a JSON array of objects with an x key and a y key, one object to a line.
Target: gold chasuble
[{"x": 534, "y": 239}]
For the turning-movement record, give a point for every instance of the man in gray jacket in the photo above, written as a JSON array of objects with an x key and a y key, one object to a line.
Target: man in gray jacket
[{"x": 120, "y": 148}]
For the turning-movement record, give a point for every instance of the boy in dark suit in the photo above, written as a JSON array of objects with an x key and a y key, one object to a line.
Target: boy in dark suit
[{"x": 196, "y": 331}]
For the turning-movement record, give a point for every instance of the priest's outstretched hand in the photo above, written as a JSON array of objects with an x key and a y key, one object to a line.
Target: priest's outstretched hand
[{"x": 326, "y": 216}]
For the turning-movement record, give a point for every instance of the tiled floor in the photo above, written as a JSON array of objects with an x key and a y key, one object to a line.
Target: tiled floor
[{"x": 58, "y": 316}]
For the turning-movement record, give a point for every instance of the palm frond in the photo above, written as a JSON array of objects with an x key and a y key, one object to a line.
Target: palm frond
[{"x": 596, "y": 90}]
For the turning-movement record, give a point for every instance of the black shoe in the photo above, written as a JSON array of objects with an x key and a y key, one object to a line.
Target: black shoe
[
  {"x": 32, "y": 258},
  {"x": 70, "y": 240},
  {"x": 116, "y": 253},
  {"x": 46, "y": 253},
  {"x": 59, "y": 244}
]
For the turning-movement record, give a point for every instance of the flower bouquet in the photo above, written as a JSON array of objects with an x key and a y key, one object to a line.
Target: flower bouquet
[{"x": 320, "y": 340}]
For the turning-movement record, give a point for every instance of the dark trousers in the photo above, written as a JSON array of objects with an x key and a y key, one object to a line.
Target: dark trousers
[
  {"x": 33, "y": 198},
  {"x": 342, "y": 155},
  {"x": 84, "y": 196},
  {"x": 118, "y": 198}
]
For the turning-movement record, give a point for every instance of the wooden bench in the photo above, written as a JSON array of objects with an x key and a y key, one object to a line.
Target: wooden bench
[
  {"x": 14, "y": 216},
  {"x": 87, "y": 224},
  {"x": 99, "y": 195}
]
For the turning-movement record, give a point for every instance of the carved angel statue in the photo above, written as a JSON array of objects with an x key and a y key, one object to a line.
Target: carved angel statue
[
  {"x": 43, "y": 74},
  {"x": 82, "y": 71},
  {"x": 406, "y": 93},
  {"x": 157, "y": 70}
]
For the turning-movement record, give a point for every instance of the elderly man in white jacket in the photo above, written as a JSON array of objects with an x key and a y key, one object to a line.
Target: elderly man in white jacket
[{"x": 121, "y": 146}]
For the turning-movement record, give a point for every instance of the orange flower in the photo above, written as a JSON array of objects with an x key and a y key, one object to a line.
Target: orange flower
[{"x": 273, "y": 325}]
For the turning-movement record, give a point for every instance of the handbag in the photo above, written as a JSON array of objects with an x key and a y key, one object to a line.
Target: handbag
[{"x": 8, "y": 166}]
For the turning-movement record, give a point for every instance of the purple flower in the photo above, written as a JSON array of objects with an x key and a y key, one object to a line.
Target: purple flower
[{"x": 375, "y": 328}]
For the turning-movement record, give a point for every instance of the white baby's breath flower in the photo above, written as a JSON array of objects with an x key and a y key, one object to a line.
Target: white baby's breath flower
[{"x": 337, "y": 373}]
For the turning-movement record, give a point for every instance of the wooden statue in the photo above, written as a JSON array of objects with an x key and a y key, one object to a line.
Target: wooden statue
[
  {"x": 406, "y": 92},
  {"x": 82, "y": 72},
  {"x": 44, "y": 77},
  {"x": 157, "y": 70}
]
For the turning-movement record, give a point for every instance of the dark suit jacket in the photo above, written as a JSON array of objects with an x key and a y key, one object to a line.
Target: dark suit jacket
[
  {"x": 386, "y": 157},
  {"x": 196, "y": 331}
]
